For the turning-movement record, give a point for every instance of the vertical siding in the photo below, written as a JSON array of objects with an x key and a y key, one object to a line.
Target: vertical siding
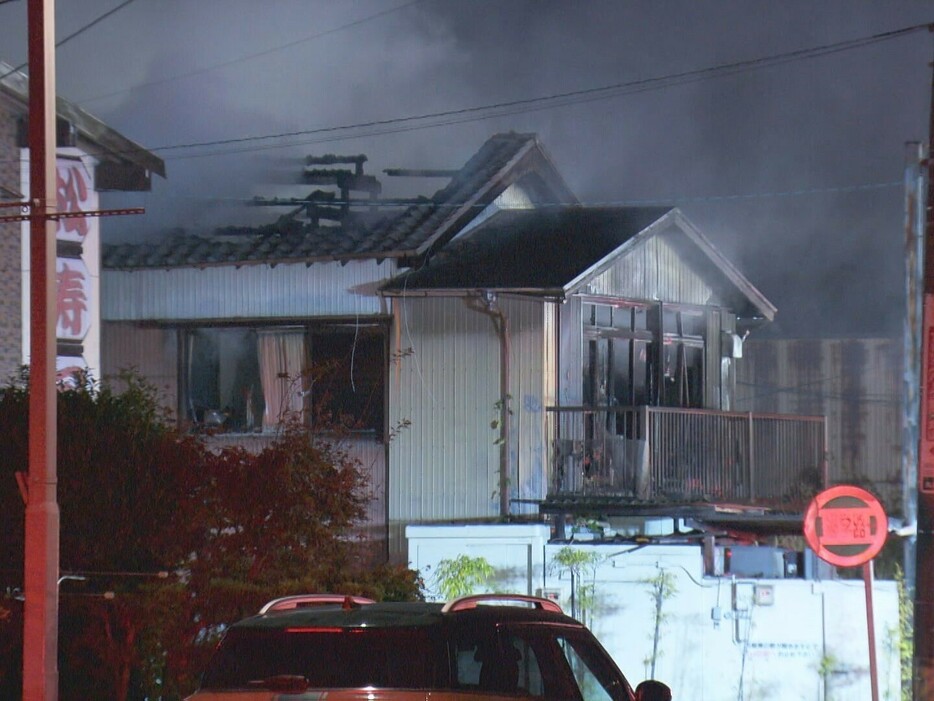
[
  {"x": 855, "y": 383},
  {"x": 570, "y": 353},
  {"x": 529, "y": 392},
  {"x": 445, "y": 465},
  {"x": 152, "y": 352},
  {"x": 370, "y": 456},
  {"x": 228, "y": 292},
  {"x": 654, "y": 270}
]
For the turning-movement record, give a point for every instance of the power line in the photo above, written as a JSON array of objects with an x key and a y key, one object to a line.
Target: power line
[
  {"x": 75, "y": 33},
  {"x": 519, "y": 106},
  {"x": 92, "y": 23},
  {"x": 672, "y": 201},
  {"x": 477, "y": 113},
  {"x": 250, "y": 57}
]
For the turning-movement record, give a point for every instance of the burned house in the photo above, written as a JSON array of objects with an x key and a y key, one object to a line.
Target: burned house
[{"x": 496, "y": 350}]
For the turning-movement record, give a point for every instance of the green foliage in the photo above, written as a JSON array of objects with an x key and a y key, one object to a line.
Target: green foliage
[
  {"x": 138, "y": 497},
  {"x": 662, "y": 587},
  {"x": 462, "y": 576},
  {"x": 827, "y": 665},
  {"x": 502, "y": 408},
  {"x": 906, "y": 643},
  {"x": 576, "y": 560},
  {"x": 579, "y": 563}
]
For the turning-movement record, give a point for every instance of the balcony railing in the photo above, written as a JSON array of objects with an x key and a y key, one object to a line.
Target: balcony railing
[{"x": 669, "y": 454}]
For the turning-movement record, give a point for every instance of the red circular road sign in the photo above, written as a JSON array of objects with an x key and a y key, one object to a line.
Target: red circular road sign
[{"x": 846, "y": 526}]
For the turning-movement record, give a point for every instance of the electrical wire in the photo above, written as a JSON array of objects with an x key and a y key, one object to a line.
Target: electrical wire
[
  {"x": 520, "y": 106},
  {"x": 250, "y": 57},
  {"x": 672, "y": 201},
  {"x": 76, "y": 33},
  {"x": 574, "y": 96}
]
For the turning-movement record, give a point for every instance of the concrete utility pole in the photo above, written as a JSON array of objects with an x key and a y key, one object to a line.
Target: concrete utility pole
[{"x": 40, "y": 626}]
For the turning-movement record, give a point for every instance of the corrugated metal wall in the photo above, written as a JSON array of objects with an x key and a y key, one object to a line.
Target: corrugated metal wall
[
  {"x": 253, "y": 291},
  {"x": 152, "y": 352},
  {"x": 855, "y": 383},
  {"x": 370, "y": 453},
  {"x": 445, "y": 381},
  {"x": 654, "y": 270}
]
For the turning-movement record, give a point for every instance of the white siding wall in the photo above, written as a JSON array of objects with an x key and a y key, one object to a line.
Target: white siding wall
[
  {"x": 252, "y": 291},
  {"x": 445, "y": 466},
  {"x": 769, "y": 637},
  {"x": 655, "y": 270}
]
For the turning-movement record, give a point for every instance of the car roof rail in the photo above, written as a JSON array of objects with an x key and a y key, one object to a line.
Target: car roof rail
[
  {"x": 469, "y": 602},
  {"x": 287, "y": 603}
]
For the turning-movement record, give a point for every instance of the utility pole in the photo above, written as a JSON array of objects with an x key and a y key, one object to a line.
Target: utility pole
[{"x": 40, "y": 625}]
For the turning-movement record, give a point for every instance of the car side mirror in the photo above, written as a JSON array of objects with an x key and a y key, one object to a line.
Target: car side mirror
[{"x": 653, "y": 690}]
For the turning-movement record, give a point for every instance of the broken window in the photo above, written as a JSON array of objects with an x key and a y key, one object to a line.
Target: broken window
[
  {"x": 347, "y": 377},
  {"x": 643, "y": 354},
  {"x": 619, "y": 357},
  {"x": 683, "y": 357},
  {"x": 245, "y": 379},
  {"x": 220, "y": 378}
]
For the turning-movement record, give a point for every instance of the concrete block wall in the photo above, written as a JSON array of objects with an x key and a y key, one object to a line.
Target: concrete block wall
[{"x": 10, "y": 251}]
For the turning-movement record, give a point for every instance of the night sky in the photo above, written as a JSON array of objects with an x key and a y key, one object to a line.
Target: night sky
[{"x": 793, "y": 167}]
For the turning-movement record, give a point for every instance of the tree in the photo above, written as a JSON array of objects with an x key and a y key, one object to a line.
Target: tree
[
  {"x": 579, "y": 564},
  {"x": 662, "y": 587},
  {"x": 175, "y": 540},
  {"x": 462, "y": 576}
]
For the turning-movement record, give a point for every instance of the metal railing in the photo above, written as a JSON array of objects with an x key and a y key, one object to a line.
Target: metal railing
[{"x": 663, "y": 453}]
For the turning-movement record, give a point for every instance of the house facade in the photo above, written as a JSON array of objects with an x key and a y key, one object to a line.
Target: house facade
[
  {"x": 495, "y": 351},
  {"x": 91, "y": 158}
]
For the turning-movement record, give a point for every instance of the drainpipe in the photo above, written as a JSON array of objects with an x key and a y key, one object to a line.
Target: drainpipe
[{"x": 487, "y": 304}]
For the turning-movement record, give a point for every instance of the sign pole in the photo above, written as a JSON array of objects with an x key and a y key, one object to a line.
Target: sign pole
[
  {"x": 871, "y": 628},
  {"x": 847, "y": 526}
]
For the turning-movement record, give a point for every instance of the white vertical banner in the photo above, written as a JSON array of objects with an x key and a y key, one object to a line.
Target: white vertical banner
[{"x": 78, "y": 279}]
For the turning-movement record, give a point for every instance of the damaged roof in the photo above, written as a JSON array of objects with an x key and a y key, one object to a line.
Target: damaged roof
[
  {"x": 503, "y": 160},
  {"x": 531, "y": 250},
  {"x": 413, "y": 232},
  {"x": 554, "y": 251}
]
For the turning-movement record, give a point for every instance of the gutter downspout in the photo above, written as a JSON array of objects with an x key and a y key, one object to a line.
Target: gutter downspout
[{"x": 487, "y": 304}]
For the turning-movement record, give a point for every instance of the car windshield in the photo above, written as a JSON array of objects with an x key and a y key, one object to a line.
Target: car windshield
[{"x": 327, "y": 658}]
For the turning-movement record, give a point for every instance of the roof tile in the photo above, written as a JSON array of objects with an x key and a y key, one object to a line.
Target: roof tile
[{"x": 395, "y": 234}]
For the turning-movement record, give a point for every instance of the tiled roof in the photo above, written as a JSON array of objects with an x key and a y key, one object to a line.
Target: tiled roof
[
  {"x": 540, "y": 250},
  {"x": 403, "y": 233}
]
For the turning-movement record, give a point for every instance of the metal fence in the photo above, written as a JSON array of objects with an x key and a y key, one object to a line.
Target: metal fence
[{"x": 663, "y": 453}]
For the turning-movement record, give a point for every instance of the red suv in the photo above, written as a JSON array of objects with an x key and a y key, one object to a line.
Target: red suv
[{"x": 473, "y": 648}]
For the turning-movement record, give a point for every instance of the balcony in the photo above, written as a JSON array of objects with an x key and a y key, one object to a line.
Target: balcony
[{"x": 671, "y": 455}]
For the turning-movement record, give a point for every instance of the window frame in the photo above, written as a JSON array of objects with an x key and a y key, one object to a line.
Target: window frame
[
  {"x": 647, "y": 382},
  {"x": 374, "y": 332}
]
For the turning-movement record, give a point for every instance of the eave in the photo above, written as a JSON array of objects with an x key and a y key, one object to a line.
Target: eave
[{"x": 112, "y": 144}]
